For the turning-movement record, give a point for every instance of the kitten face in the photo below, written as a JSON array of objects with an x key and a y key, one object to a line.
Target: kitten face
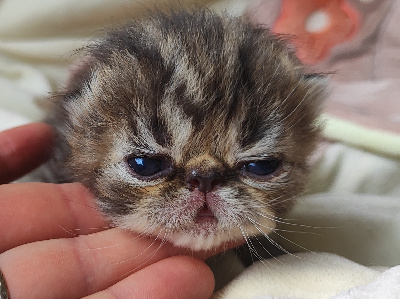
[{"x": 191, "y": 127}]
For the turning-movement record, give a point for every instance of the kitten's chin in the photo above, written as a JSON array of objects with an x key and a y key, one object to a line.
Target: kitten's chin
[
  {"x": 205, "y": 234},
  {"x": 200, "y": 239}
]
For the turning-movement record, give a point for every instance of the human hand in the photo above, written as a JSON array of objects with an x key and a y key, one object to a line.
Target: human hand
[{"x": 55, "y": 244}]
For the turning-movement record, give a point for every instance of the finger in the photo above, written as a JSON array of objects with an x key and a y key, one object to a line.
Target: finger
[
  {"x": 76, "y": 267},
  {"x": 38, "y": 211},
  {"x": 22, "y": 149},
  {"x": 174, "y": 277}
]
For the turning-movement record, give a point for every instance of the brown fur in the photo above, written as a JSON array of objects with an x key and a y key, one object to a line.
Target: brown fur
[{"x": 207, "y": 92}]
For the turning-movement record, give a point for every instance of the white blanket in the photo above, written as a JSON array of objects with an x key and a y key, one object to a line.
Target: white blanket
[{"x": 313, "y": 275}]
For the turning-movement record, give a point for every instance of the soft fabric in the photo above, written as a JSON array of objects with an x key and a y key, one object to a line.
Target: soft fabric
[
  {"x": 313, "y": 275},
  {"x": 358, "y": 42},
  {"x": 310, "y": 275},
  {"x": 352, "y": 208}
]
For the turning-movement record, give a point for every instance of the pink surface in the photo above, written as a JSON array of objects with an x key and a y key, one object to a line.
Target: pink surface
[{"x": 360, "y": 46}]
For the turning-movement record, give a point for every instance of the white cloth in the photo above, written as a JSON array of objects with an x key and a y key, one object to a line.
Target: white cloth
[{"x": 313, "y": 275}]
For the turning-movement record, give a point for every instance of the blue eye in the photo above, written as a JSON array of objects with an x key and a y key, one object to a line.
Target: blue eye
[
  {"x": 262, "y": 167},
  {"x": 145, "y": 166}
]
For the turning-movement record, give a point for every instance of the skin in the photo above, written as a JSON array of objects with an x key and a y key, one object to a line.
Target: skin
[{"x": 55, "y": 244}]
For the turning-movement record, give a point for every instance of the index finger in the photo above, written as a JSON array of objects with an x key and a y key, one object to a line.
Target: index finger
[
  {"x": 76, "y": 267},
  {"x": 22, "y": 149},
  {"x": 39, "y": 211}
]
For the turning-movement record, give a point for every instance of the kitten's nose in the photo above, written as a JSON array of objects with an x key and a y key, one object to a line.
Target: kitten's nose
[
  {"x": 204, "y": 173},
  {"x": 204, "y": 183}
]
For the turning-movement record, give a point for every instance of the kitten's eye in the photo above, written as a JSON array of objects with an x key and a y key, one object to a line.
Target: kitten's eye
[
  {"x": 145, "y": 166},
  {"x": 262, "y": 167}
]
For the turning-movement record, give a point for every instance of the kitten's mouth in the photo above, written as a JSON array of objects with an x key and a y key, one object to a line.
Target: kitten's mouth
[{"x": 205, "y": 214}]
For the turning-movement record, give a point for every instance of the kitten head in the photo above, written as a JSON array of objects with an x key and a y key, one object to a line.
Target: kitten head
[{"x": 192, "y": 127}]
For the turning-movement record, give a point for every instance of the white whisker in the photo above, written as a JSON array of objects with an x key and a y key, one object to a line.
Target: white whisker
[
  {"x": 280, "y": 229},
  {"x": 252, "y": 249},
  {"x": 295, "y": 244},
  {"x": 271, "y": 240},
  {"x": 146, "y": 260},
  {"x": 280, "y": 221}
]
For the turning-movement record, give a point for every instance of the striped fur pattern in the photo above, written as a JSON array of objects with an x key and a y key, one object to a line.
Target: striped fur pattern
[{"x": 206, "y": 92}]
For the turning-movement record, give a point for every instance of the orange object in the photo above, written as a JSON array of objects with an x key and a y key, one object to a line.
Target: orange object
[{"x": 340, "y": 22}]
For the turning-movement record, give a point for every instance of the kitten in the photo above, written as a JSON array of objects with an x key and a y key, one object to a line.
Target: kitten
[{"x": 189, "y": 126}]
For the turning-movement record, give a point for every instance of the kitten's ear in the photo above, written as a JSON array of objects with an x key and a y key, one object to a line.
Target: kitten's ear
[
  {"x": 317, "y": 86},
  {"x": 80, "y": 73},
  {"x": 316, "y": 78},
  {"x": 317, "y": 83}
]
